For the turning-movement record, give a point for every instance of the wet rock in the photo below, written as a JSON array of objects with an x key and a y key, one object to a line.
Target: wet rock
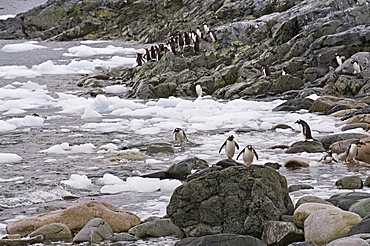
[
  {"x": 129, "y": 155},
  {"x": 298, "y": 187},
  {"x": 341, "y": 146},
  {"x": 364, "y": 151},
  {"x": 304, "y": 210},
  {"x": 22, "y": 241},
  {"x": 342, "y": 113},
  {"x": 122, "y": 237},
  {"x": 280, "y": 146},
  {"x": 221, "y": 240},
  {"x": 349, "y": 182},
  {"x": 338, "y": 108},
  {"x": 364, "y": 126},
  {"x": 273, "y": 165},
  {"x": 367, "y": 182},
  {"x": 359, "y": 115},
  {"x": 53, "y": 233},
  {"x": 281, "y": 126},
  {"x": 362, "y": 207},
  {"x": 182, "y": 169},
  {"x": 294, "y": 163},
  {"x": 227, "y": 163},
  {"x": 77, "y": 216},
  {"x": 211, "y": 202},
  {"x": 281, "y": 233},
  {"x": 362, "y": 227},
  {"x": 345, "y": 201},
  {"x": 156, "y": 228},
  {"x": 333, "y": 138},
  {"x": 306, "y": 146},
  {"x": 324, "y": 103},
  {"x": 348, "y": 241},
  {"x": 96, "y": 230},
  {"x": 324, "y": 226},
  {"x": 156, "y": 148},
  {"x": 360, "y": 118},
  {"x": 310, "y": 199}
]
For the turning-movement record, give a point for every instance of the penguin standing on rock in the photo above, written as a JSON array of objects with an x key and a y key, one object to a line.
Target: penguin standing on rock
[
  {"x": 179, "y": 135},
  {"x": 356, "y": 67},
  {"x": 248, "y": 153},
  {"x": 139, "y": 59},
  {"x": 266, "y": 71},
  {"x": 230, "y": 144},
  {"x": 339, "y": 59},
  {"x": 306, "y": 130},
  {"x": 328, "y": 158},
  {"x": 352, "y": 152}
]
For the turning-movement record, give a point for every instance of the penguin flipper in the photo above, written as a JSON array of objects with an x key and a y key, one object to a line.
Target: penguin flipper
[
  {"x": 224, "y": 144},
  {"x": 240, "y": 153},
  {"x": 335, "y": 160},
  {"x": 255, "y": 153},
  {"x": 236, "y": 145},
  {"x": 186, "y": 138}
]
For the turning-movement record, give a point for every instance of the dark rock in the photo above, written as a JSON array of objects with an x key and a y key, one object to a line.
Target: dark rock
[
  {"x": 362, "y": 227},
  {"x": 365, "y": 110},
  {"x": 222, "y": 201},
  {"x": 364, "y": 126},
  {"x": 273, "y": 165},
  {"x": 362, "y": 207},
  {"x": 182, "y": 169},
  {"x": 221, "y": 240},
  {"x": 156, "y": 228},
  {"x": 22, "y": 241},
  {"x": 281, "y": 233},
  {"x": 325, "y": 103},
  {"x": 53, "y": 233},
  {"x": 348, "y": 241},
  {"x": 306, "y": 146},
  {"x": 337, "y": 108},
  {"x": 280, "y": 146},
  {"x": 293, "y": 188},
  {"x": 350, "y": 182},
  {"x": 158, "y": 175},
  {"x": 294, "y": 163},
  {"x": 367, "y": 182},
  {"x": 329, "y": 139},
  {"x": 156, "y": 148},
  {"x": 281, "y": 126},
  {"x": 344, "y": 201},
  {"x": 310, "y": 199},
  {"x": 122, "y": 237},
  {"x": 227, "y": 163},
  {"x": 96, "y": 230}
]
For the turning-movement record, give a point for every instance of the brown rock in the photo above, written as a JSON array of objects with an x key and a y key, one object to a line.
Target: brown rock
[
  {"x": 324, "y": 103},
  {"x": 342, "y": 113},
  {"x": 364, "y": 126},
  {"x": 76, "y": 217},
  {"x": 294, "y": 163},
  {"x": 310, "y": 199},
  {"x": 341, "y": 146},
  {"x": 364, "y": 151},
  {"x": 360, "y": 118}
]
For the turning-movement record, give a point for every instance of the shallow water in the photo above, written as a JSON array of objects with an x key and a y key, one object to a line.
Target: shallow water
[{"x": 33, "y": 185}]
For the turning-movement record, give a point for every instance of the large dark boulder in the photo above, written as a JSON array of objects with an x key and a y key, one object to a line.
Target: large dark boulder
[
  {"x": 236, "y": 199},
  {"x": 221, "y": 240}
]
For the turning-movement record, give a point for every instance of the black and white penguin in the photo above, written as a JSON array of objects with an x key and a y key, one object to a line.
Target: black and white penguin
[
  {"x": 196, "y": 46},
  {"x": 306, "y": 130},
  {"x": 266, "y": 71},
  {"x": 206, "y": 29},
  {"x": 199, "y": 33},
  {"x": 356, "y": 67},
  {"x": 248, "y": 153},
  {"x": 179, "y": 135},
  {"x": 230, "y": 144},
  {"x": 328, "y": 158},
  {"x": 180, "y": 40},
  {"x": 172, "y": 44},
  {"x": 352, "y": 152},
  {"x": 339, "y": 59},
  {"x": 213, "y": 36},
  {"x": 361, "y": 2},
  {"x": 199, "y": 90},
  {"x": 139, "y": 59},
  {"x": 187, "y": 39},
  {"x": 284, "y": 71},
  {"x": 147, "y": 55},
  {"x": 153, "y": 54}
]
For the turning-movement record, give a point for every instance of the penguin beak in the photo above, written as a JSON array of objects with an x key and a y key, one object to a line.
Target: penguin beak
[{"x": 296, "y": 122}]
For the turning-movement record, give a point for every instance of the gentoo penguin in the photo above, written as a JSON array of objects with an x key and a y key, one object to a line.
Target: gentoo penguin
[
  {"x": 139, "y": 59},
  {"x": 187, "y": 38},
  {"x": 306, "y": 130},
  {"x": 196, "y": 44},
  {"x": 213, "y": 36},
  {"x": 180, "y": 40},
  {"x": 356, "y": 67},
  {"x": 199, "y": 90},
  {"x": 152, "y": 53},
  {"x": 229, "y": 145},
  {"x": 179, "y": 135},
  {"x": 248, "y": 153},
  {"x": 206, "y": 29},
  {"x": 284, "y": 71},
  {"x": 173, "y": 45},
  {"x": 352, "y": 151},
  {"x": 339, "y": 59},
  {"x": 199, "y": 33},
  {"x": 266, "y": 71},
  {"x": 328, "y": 158},
  {"x": 147, "y": 55},
  {"x": 361, "y": 2}
]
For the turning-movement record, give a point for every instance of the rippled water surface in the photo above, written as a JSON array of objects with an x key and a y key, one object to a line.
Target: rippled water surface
[{"x": 33, "y": 185}]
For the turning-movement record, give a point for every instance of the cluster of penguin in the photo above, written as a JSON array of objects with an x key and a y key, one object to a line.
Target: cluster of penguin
[
  {"x": 249, "y": 152},
  {"x": 180, "y": 40},
  {"x": 357, "y": 68}
]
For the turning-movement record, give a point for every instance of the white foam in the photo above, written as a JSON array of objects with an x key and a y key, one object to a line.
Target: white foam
[
  {"x": 81, "y": 182},
  {"x": 21, "y": 47},
  {"x": 83, "y": 148},
  {"x": 26, "y": 121},
  {"x": 9, "y": 158},
  {"x": 84, "y": 51},
  {"x": 16, "y": 178},
  {"x": 5, "y": 17},
  {"x": 115, "y": 89}
]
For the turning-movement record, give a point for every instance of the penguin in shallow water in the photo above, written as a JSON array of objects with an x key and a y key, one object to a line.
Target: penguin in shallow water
[
  {"x": 339, "y": 59},
  {"x": 328, "y": 158},
  {"x": 230, "y": 144},
  {"x": 306, "y": 130},
  {"x": 179, "y": 135},
  {"x": 248, "y": 153},
  {"x": 356, "y": 67},
  {"x": 352, "y": 152}
]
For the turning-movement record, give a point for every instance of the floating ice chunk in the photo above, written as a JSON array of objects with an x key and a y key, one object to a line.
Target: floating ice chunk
[
  {"x": 21, "y": 47},
  {"x": 81, "y": 182},
  {"x": 84, "y": 51},
  {"x": 110, "y": 179},
  {"x": 90, "y": 113},
  {"x": 32, "y": 86},
  {"x": 313, "y": 96},
  {"x": 9, "y": 158},
  {"x": 6, "y": 126},
  {"x": 13, "y": 71},
  {"x": 57, "y": 149},
  {"x": 14, "y": 111},
  {"x": 110, "y": 147},
  {"x": 115, "y": 89},
  {"x": 138, "y": 184},
  {"x": 5, "y": 17},
  {"x": 27, "y": 121},
  {"x": 83, "y": 148}
]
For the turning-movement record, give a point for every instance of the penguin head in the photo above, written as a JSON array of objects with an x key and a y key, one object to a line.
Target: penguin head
[
  {"x": 249, "y": 147},
  {"x": 298, "y": 122},
  {"x": 354, "y": 61},
  {"x": 177, "y": 130},
  {"x": 336, "y": 54},
  {"x": 359, "y": 143},
  {"x": 230, "y": 138}
]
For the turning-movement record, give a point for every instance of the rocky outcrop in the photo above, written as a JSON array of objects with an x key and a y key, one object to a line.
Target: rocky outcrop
[
  {"x": 344, "y": 201},
  {"x": 53, "y": 233},
  {"x": 76, "y": 217},
  {"x": 236, "y": 199},
  {"x": 156, "y": 228},
  {"x": 221, "y": 240},
  {"x": 95, "y": 231},
  {"x": 281, "y": 233},
  {"x": 349, "y": 182},
  {"x": 303, "y": 211}
]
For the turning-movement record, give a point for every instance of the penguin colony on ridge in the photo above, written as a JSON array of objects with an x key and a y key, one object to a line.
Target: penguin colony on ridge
[
  {"x": 179, "y": 41},
  {"x": 249, "y": 152}
]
